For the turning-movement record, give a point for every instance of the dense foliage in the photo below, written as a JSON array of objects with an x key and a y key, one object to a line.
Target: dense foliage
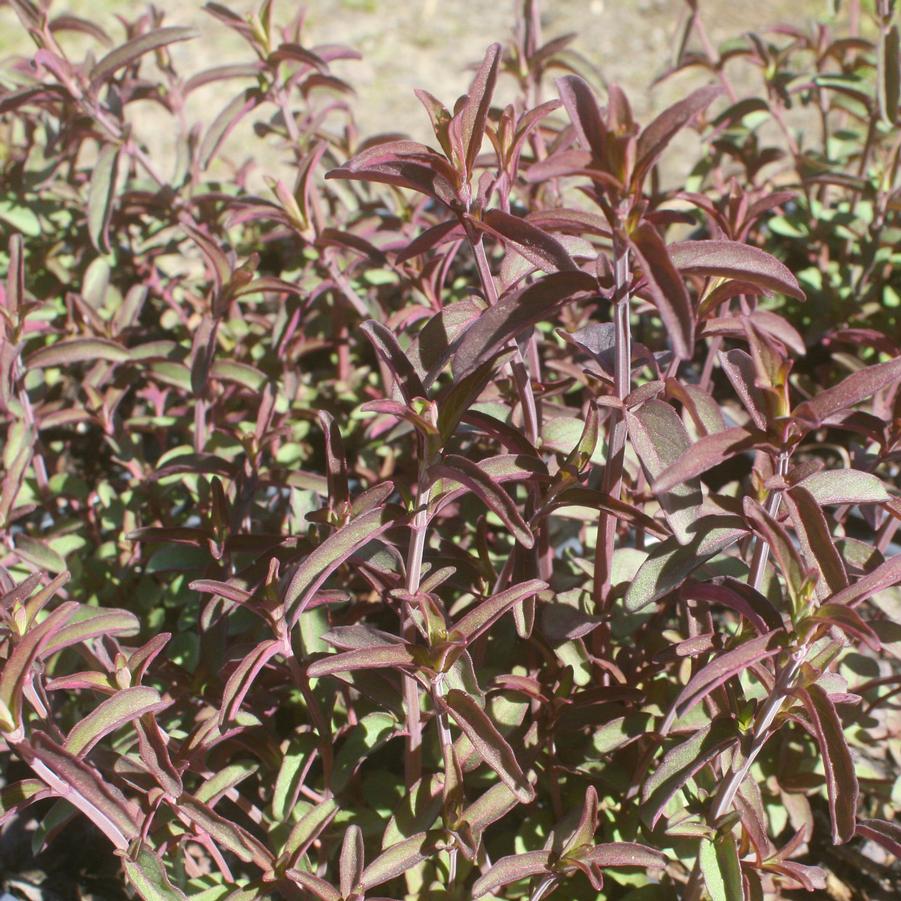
[{"x": 503, "y": 518}]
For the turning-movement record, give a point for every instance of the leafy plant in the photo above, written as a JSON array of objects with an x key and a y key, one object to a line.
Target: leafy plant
[{"x": 486, "y": 519}]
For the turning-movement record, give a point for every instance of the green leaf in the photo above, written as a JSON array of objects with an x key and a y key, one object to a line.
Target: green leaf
[
  {"x": 101, "y": 195},
  {"x": 148, "y": 877},
  {"x": 718, "y": 859},
  {"x": 77, "y": 350}
]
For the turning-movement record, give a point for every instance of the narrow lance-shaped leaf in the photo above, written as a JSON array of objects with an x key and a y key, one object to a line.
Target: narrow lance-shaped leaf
[
  {"x": 224, "y": 832},
  {"x": 654, "y": 139},
  {"x": 660, "y": 440},
  {"x": 705, "y": 453},
  {"x": 478, "y": 101},
  {"x": 392, "y": 656},
  {"x": 83, "y": 787},
  {"x": 77, "y": 350},
  {"x": 850, "y": 391},
  {"x": 582, "y": 107},
  {"x": 680, "y": 763},
  {"x": 732, "y": 259},
  {"x": 722, "y": 668},
  {"x": 477, "y": 621},
  {"x": 666, "y": 287},
  {"x": 461, "y": 469},
  {"x": 15, "y": 275},
  {"x": 669, "y": 563},
  {"x": 783, "y": 548},
  {"x": 513, "y": 868},
  {"x": 350, "y": 865},
  {"x": 816, "y": 541},
  {"x": 318, "y": 887},
  {"x": 396, "y": 860},
  {"x": 841, "y": 780},
  {"x": 720, "y": 866},
  {"x": 534, "y": 244},
  {"x": 17, "y": 667},
  {"x": 149, "y": 879},
  {"x": 101, "y": 195},
  {"x": 884, "y": 576},
  {"x": 846, "y": 486},
  {"x": 750, "y": 603},
  {"x": 241, "y": 680},
  {"x": 515, "y": 313},
  {"x": 395, "y": 359},
  {"x": 488, "y": 742},
  {"x": 336, "y": 462},
  {"x": 134, "y": 49},
  {"x": 328, "y": 556},
  {"x": 624, "y": 854},
  {"x": 888, "y": 66},
  {"x": 123, "y": 707}
]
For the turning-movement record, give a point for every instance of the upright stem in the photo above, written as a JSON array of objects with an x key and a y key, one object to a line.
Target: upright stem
[
  {"x": 415, "y": 551},
  {"x": 761, "y": 548},
  {"x": 616, "y": 441}
]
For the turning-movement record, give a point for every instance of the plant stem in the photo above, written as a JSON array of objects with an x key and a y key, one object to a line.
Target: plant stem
[
  {"x": 616, "y": 441},
  {"x": 415, "y": 551},
  {"x": 761, "y": 548}
]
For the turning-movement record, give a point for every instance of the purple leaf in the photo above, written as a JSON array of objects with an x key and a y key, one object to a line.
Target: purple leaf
[
  {"x": 241, "y": 680},
  {"x": 582, "y": 107},
  {"x": 654, "y": 139},
  {"x": 660, "y": 440},
  {"x": 884, "y": 576},
  {"x": 666, "y": 287},
  {"x": 513, "y": 868},
  {"x": 884, "y": 833},
  {"x": 317, "y": 566},
  {"x": 669, "y": 563},
  {"x": 813, "y": 533},
  {"x": 624, "y": 854},
  {"x": 515, "y": 313},
  {"x": 705, "y": 453},
  {"x": 537, "y": 246},
  {"x": 462, "y": 470},
  {"x": 396, "y": 860},
  {"x": 113, "y": 713},
  {"x": 395, "y": 359},
  {"x": 489, "y": 743},
  {"x": 134, "y": 49},
  {"x": 478, "y": 620},
  {"x": 83, "y": 787},
  {"x": 680, "y": 763},
  {"x": 350, "y": 865},
  {"x": 850, "y": 391},
  {"x": 750, "y": 603},
  {"x": 101, "y": 195},
  {"x": 478, "y": 101},
  {"x": 846, "y": 486},
  {"x": 732, "y": 259},
  {"x": 395, "y": 656},
  {"x": 77, "y": 350},
  {"x": 722, "y": 668}
]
